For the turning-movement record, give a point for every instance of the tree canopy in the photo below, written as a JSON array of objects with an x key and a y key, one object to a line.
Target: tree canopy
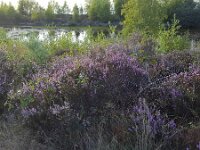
[
  {"x": 143, "y": 15},
  {"x": 75, "y": 13},
  {"x": 99, "y": 10}
]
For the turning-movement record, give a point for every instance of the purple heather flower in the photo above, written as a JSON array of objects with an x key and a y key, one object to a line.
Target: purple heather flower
[
  {"x": 198, "y": 146},
  {"x": 28, "y": 112},
  {"x": 154, "y": 122}
]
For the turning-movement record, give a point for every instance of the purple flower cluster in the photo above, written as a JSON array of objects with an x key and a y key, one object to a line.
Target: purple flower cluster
[
  {"x": 87, "y": 82},
  {"x": 150, "y": 122},
  {"x": 26, "y": 113}
]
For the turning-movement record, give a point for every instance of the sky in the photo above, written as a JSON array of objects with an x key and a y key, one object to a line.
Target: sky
[{"x": 44, "y": 3}]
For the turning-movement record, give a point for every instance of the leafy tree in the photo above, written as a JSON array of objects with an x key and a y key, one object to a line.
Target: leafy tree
[
  {"x": 81, "y": 10},
  {"x": 99, "y": 10},
  {"x": 186, "y": 11},
  {"x": 169, "y": 40},
  {"x": 58, "y": 8},
  {"x": 75, "y": 12},
  {"x": 25, "y": 7},
  {"x": 12, "y": 13},
  {"x": 8, "y": 13},
  {"x": 65, "y": 8},
  {"x": 50, "y": 11},
  {"x": 143, "y": 15},
  {"x": 118, "y": 4},
  {"x": 38, "y": 13}
]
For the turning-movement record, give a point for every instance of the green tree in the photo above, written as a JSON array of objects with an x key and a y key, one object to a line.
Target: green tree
[
  {"x": 143, "y": 15},
  {"x": 99, "y": 10},
  {"x": 25, "y": 7},
  {"x": 50, "y": 11},
  {"x": 58, "y": 8},
  {"x": 75, "y": 13},
  {"x": 8, "y": 14},
  {"x": 81, "y": 10},
  {"x": 65, "y": 8},
  {"x": 38, "y": 13},
  {"x": 118, "y": 4},
  {"x": 186, "y": 11},
  {"x": 12, "y": 13}
]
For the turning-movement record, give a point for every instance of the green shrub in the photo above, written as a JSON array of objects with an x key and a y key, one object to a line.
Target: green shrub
[
  {"x": 37, "y": 50},
  {"x": 169, "y": 39}
]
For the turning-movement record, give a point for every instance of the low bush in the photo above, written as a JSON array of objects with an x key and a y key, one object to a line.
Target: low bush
[
  {"x": 82, "y": 90},
  {"x": 6, "y": 78},
  {"x": 169, "y": 40},
  {"x": 168, "y": 64},
  {"x": 177, "y": 95}
]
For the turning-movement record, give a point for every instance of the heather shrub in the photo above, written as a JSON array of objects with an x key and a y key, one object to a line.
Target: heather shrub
[
  {"x": 141, "y": 127},
  {"x": 188, "y": 84},
  {"x": 6, "y": 77},
  {"x": 12, "y": 72},
  {"x": 177, "y": 95},
  {"x": 142, "y": 47},
  {"x": 150, "y": 129},
  {"x": 75, "y": 93},
  {"x": 188, "y": 138},
  {"x": 168, "y": 64}
]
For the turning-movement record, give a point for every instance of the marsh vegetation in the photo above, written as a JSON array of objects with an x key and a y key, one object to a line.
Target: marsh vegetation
[{"x": 134, "y": 87}]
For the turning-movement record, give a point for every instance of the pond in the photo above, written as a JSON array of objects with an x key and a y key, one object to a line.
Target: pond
[{"x": 43, "y": 33}]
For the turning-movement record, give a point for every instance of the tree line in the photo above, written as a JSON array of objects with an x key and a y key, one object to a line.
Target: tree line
[
  {"x": 141, "y": 13},
  {"x": 30, "y": 11},
  {"x": 150, "y": 15}
]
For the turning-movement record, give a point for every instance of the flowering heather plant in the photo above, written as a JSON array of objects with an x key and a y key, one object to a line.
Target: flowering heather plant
[
  {"x": 81, "y": 90},
  {"x": 143, "y": 48},
  {"x": 6, "y": 78},
  {"x": 177, "y": 95},
  {"x": 89, "y": 82},
  {"x": 172, "y": 63},
  {"x": 150, "y": 127},
  {"x": 189, "y": 84}
]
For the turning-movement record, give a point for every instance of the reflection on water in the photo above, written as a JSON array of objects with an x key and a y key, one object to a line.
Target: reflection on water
[{"x": 44, "y": 34}]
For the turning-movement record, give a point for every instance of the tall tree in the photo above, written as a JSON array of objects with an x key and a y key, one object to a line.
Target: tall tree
[
  {"x": 118, "y": 4},
  {"x": 8, "y": 14},
  {"x": 75, "y": 13},
  {"x": 186, "y": 11},
  {"x": 58, "y": 8},
  {"x": 99, "y": 10},
  {"x": 25, "y": 7},
  {"x": 65, "y": 8},
  {"x": 50, "y": 11},
  {"x": 38, "y": 13},
  {"x": 143, "y": 15},
  {"x": 81, "y": 10}
]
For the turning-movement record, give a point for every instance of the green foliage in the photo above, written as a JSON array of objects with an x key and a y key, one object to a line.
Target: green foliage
[
  {"x": 38, "y": 13},
  {"x": 50, "y": 11},
  {"x": 170, "y": 40},
  {"x": 25, "y": 7},
  {"x": 65, "y": 8},
  {"x": 62, "y": 45},
  {"x": 38, "y": 51},
  {"x": 75, "y": 14},
  {"x": 99, "y": 10},
  {"x": 187, "y": 11},
  {"x": 143, "y": 15},
  {"x": 8, "y": 14},
  {"x": 118, "y": 4}
]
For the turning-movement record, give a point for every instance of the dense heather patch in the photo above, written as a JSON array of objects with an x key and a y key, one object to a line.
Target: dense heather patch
[
  {"x": 83, "y": 89},
  {"x": 6, "y": 77},
  {"x": 119, "y": 97}
]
